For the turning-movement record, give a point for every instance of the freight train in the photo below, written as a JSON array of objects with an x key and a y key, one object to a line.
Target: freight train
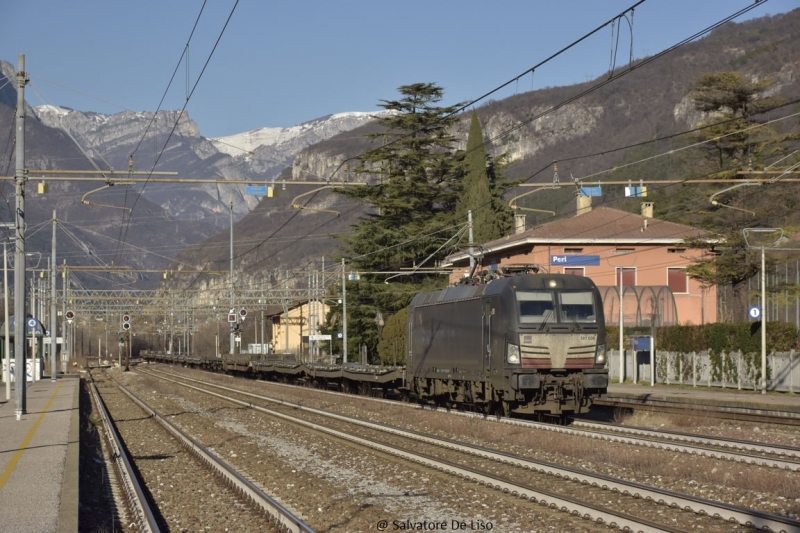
[{"x": 531, "y": 344}]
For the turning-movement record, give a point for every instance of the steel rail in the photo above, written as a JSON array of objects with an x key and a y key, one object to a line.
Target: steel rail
[
  {"x": 747, "y": 445},
  {"x": 728, "y": 413},
  {"x": 670, "y": 446},
  {"x": 271, "y": 506},
  {"x": 741, "y": 515},
  {"x": 145, "y": 519}
]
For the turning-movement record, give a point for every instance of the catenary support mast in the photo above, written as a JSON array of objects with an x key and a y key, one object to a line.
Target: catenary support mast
[{"x": 19, "y": 259}]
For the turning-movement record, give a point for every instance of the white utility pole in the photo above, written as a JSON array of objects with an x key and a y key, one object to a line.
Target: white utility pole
[
  {"x": 621, "y": 327},
  {"x": 763, "y": 324},
  {"x": 344, "y": 314},
  {"x": 7, "y": 347},
  {"x": 233, "y": 309},
  {"x": 53, "y": 322},
  {"x": 471, "y": 248}
]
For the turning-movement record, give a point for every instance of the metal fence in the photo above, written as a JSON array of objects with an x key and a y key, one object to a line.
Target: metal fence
[{"x": 733, "y": 370}]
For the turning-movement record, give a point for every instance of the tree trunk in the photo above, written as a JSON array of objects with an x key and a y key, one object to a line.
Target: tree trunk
[{"x": 740, "y": 301}]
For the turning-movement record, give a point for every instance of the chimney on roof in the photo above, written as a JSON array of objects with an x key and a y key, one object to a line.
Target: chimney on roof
[
  {"x": 647, "y": 209},
  {"x": 519, "y": 224},
  {"x": 584, "y": 204}
]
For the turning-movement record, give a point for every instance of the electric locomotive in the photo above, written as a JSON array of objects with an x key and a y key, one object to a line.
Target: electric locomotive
[{"x": 532, "y": 344}]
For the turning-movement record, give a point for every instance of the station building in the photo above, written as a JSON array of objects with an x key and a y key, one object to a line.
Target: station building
[{"x": 646, "y": 255}]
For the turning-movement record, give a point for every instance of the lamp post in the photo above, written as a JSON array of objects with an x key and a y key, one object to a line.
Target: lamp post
[{"x": 746, "y": 232}]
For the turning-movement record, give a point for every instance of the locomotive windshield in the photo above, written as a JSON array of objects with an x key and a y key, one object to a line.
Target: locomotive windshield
[
  {"x": 577, "y": 306},
  {"x": 536, "y": 307}
]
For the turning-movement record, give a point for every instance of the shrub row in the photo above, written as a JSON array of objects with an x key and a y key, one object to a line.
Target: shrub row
[{"x": 714, "y": 338}]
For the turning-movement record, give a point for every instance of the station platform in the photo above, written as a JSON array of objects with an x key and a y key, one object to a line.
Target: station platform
[
  {"x": 39, "y": 457},
  {"x": 733, "y": 401}
]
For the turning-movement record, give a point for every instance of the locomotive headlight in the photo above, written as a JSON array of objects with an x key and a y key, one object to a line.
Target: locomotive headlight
[
  {"x": 512, "y": 353},
  {"x": 600, "y": 357}
]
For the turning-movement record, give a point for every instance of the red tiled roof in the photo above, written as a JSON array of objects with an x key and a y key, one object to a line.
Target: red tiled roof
[
  {"x": 607, "y": 223},
  {"x": 601, "y": 224}
]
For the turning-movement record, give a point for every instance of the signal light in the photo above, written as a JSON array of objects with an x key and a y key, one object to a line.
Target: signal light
[
  {"x": 243, "y": 313},
  {"x": 69, "y": 316},
  {"x": 126, "y": 326},
  {"x": 126, "y": 319}
]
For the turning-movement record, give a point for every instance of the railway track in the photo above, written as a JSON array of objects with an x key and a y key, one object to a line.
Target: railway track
[
  {"x": 202, "y": 488},
  {"x": 749, "y": 452},
  {"x": 741, "y": 451},
  {"x": 124, "y": 476},
  {"x": 636, "y": 507},
  {"x": 734, "y": 413}
]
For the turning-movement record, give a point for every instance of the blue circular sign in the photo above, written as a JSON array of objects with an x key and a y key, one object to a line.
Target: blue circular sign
[
  {"x": 31, "y": 322},
  {"x": 754, "y": 312}
]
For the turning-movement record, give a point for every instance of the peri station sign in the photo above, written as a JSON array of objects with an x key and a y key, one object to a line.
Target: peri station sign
[{"x": 575, "y": 260}]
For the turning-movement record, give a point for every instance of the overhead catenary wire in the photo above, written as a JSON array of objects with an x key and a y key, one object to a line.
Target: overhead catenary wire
[
  {"x": 129, "y": 220},
  {"x": 180, "y": 115}
]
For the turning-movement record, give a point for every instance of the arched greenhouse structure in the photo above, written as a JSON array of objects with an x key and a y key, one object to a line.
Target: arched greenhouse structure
[{"x": 641, "y": 306}]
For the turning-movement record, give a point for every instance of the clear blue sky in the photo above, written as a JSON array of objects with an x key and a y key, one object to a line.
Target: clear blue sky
[{"x": 280, "y": 63}]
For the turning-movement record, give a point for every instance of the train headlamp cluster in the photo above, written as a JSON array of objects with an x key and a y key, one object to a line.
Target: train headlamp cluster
[
  {"x": 600, "y": 357},
  {"x": 512, "y": 353}
]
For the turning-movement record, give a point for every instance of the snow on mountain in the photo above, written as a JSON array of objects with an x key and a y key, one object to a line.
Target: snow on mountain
[
  {"x": 52, "y": 110},
  {"x": 299, "y": 136}
]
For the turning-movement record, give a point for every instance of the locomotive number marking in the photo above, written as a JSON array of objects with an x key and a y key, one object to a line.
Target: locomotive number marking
[{"x": 591, "y": 338}]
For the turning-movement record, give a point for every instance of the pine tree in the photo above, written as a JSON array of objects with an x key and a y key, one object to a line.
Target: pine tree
[
  {"x": 413, "y": 173},
  {"x": 730, "y": 100}
]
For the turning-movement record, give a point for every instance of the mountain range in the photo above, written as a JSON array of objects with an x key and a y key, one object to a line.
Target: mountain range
[{"x": 534, "y": 130}]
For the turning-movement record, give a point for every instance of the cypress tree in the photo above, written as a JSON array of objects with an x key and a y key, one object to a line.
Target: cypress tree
[{"x": 482, "y": 189}]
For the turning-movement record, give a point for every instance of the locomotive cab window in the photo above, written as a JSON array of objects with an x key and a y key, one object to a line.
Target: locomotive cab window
[
  {"x": 577, "y": 306},
  {"x": 535, "y": 306}
]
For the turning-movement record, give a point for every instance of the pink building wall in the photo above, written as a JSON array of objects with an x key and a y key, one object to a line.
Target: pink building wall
[{"x": 649, "y": 262}]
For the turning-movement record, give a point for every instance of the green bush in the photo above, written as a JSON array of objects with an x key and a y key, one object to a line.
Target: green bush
[
  {"x": 392, "y": 346},
  {"x": 715, "y": 338}
]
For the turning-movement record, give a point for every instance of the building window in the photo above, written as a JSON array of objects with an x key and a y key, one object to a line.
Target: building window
[
  {"x": 624, "y": 251},
  {"x": 628, "y": 276},
  {"x": 675, "y": 250},
  {"x": 677, "y": 280},
  {"x": 573, "y": 250},
  {"x": 575, "y": 271}
]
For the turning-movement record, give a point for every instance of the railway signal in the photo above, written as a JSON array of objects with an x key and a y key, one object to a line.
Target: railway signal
[
  {"x": 231, "y": 317},
  {"x": 70, "y": 316},
  {"x": 243, "y": 313}
]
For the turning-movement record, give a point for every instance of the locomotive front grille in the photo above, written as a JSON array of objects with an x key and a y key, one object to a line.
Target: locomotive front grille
[{"x": 558, "y": 351}]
